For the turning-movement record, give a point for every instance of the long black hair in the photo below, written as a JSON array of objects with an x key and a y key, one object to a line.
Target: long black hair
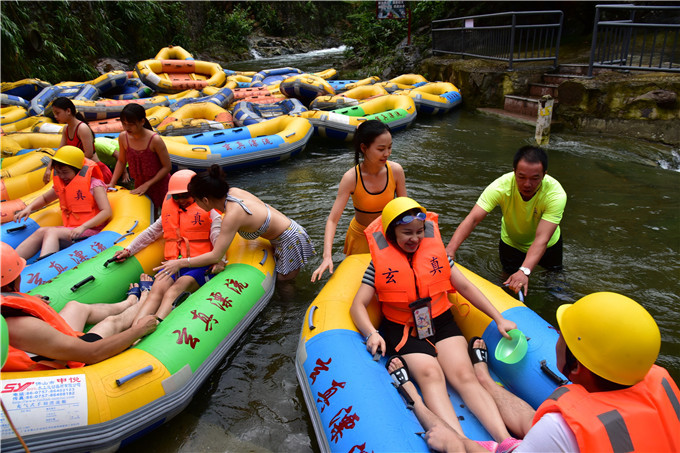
[
  {"x": 67, "y": 104},
  {"x": 209, "y": 184},
  {"x": 365, "y": 134},
  {"x": 135, "y": 113}
]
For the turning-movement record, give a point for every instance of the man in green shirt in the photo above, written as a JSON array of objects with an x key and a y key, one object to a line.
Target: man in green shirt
[{"x": 532, "y": 204}]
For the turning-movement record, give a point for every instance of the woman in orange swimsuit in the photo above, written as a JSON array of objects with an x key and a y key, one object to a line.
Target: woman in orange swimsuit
[{"x": 372, "y": 183}]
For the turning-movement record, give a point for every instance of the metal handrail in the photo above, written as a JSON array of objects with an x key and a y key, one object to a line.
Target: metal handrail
[
  {"x": 513, "y": 42},
  {"x": 617, "y": 44}
]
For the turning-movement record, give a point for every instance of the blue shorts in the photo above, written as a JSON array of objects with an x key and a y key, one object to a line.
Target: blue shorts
[{"x": 200, "y": 274}]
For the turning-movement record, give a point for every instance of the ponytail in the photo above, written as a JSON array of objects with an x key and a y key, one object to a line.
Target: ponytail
[{"x": 209, "y": 184}]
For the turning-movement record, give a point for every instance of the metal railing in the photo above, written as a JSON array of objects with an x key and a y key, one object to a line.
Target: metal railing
[
  {"x": 526, "y": 36},
  {"x": 641, "y": 42}
]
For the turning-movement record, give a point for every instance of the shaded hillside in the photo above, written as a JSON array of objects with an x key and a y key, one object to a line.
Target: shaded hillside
[{"x": 57, "y": 41}]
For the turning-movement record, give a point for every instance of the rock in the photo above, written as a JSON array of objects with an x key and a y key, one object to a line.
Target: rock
[
  {"x": 663, "y": 98},
  {"x": 105, "y": 65}
]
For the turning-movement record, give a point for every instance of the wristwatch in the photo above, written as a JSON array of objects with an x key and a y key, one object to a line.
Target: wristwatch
[{"x": 525, "y": 270}]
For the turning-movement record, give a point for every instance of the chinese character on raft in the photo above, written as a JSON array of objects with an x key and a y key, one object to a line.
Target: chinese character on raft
[
  {"x": 325, "y": 396},
  {"x": 346, "y": 422},
  {"x": 320, "y": 366}
]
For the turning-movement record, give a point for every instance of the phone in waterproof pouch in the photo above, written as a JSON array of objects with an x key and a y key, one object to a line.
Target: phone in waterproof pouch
[{"x": 422, "y": 316}]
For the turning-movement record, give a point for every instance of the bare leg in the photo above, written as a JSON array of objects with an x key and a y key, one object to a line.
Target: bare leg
[
  {"x": 120, "y": 322},
  {"x": 428, "y": 374},
  {"x": 161, "y": 285},
  {"x": 454, "y": 360},
  {"x": 440, "y": 436},
  {"x": 288, "y": 276},
  {"x": 184, "y": 283},
  {"x": 517, "y": 413},
  {"x": 78, "y": 315},
  {"x": 32, "y": 244}
]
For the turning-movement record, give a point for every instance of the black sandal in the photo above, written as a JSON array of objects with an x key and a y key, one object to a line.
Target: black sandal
[
  {"x": 399, "y": 378},
  {"x": 477, "y": 354}
]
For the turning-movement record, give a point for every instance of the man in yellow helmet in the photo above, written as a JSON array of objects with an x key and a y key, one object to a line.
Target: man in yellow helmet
[{"x": 619, "y": 401}]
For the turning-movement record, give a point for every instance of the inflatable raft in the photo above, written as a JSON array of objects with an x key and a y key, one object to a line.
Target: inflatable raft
[
  {"x": 131, "y": 215},
  {"x": 197, "y": 116},
  {"x": 174, "y": 76},
  {"x": 350, "y": 397},
  {"x": 394, "y": 110},
  {"x": 247, "y": 113},
  {"x": 265, "y": 142},
  {"x": 306, "y": 87},
  {"x": 109, "y": 404},
  {"x": 434, "y": 98}
]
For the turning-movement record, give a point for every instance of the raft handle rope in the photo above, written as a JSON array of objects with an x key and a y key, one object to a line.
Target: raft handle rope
[
  {"x": 17, "y": 228},
  {"x": 133, "y": 375},
  {"x": 263, "y": 258},
  {"x": 552, "y": 375},
  {"x": 11, "y": 424},
  {"x": 310, "y": 318},
  {"x": 127, "y": 233},
  {"x": 77, "y": 286}
]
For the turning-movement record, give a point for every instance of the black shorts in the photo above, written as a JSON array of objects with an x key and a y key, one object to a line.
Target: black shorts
[
  {"x": 90, "y": 337},
  {"x": 512, "y": 259},
  {"x": 444, "y": 327}
]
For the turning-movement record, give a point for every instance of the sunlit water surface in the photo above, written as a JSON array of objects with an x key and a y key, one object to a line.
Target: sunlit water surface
[{"x": 621, "y": 233}]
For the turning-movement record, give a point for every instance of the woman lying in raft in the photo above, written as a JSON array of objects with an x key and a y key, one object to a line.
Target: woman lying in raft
[
  {"x": 85, "y": 208},
  {"x": 411, "y": 275},
  {"x": 189, "y": 231},
  {"x": 251, "y": 218}
]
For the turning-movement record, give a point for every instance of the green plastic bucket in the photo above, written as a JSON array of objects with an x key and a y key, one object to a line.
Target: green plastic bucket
[{"x": 513, "y": 350}]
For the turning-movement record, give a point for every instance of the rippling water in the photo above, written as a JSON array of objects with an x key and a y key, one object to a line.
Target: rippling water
[{"x": 621, "y": 233}]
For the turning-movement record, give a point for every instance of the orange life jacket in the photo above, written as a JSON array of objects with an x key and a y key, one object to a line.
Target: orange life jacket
[
  {"x": 399, "y": 282},
  {"x": 186, "y": 233},
  {"x": 18, "y": 360},
  {"x": 75, "y": 199},
  {"x": 643, "y": 417}
]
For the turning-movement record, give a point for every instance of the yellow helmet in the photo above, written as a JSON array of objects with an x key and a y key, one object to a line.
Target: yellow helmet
[
  {"x": 12, "y": 264},
  {"x": 396, "y": 207},
  {"x": 70, "y": 155},
  {"x": 179, "y": 181},
  {"x": 611, "y": 335}
]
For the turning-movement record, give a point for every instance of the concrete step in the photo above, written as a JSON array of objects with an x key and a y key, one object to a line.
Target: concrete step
[
  {"x": 542, "y": 89},
  {"x": 524, "y": 119},
  {"x": 578, "y": 69},
  {"x": 556, "y": 79},
  {"x": 521, "y": 104}
]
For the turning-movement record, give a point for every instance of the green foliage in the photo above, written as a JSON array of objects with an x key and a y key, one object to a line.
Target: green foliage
[{"x": 226, "y": 29}]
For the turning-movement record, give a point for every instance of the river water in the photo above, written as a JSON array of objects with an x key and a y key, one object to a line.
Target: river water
[{"x": 621, "y": 232}]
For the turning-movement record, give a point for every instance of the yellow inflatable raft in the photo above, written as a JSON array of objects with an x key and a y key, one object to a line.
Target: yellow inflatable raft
[{"x": 173, "y": 76}]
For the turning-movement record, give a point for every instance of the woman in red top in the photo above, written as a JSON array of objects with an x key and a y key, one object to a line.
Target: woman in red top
[
  {"x": 145, "y": 153},
  {"x": 76, "y": 133}
]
